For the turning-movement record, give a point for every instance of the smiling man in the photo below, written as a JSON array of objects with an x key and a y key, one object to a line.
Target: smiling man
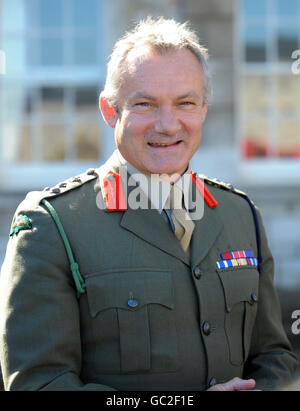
[
  {"x": 125, "y": 298},
  {"x": 158, "y": 126}
]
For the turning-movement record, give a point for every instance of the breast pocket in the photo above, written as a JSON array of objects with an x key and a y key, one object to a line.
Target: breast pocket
[
  {"x": 240, "y": 286},
  {"x": 133, "y": 320}
]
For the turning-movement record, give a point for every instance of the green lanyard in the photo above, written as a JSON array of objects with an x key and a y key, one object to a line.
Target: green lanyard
[{"x": 79, "y": 281}]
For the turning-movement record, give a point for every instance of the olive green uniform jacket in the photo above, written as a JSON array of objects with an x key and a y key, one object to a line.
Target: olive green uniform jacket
[{"x": 191, "y": 324}]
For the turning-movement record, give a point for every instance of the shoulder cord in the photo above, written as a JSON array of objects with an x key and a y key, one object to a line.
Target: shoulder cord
[{"x": 79, "y": 281}]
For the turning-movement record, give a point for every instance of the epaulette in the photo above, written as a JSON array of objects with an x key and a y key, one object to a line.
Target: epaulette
[
  {"x": 215, "y": 182},
  {"x": 71, "y": 183},
  {"x": 229, "y": 187},
  {"x": 62, "y": 187}
]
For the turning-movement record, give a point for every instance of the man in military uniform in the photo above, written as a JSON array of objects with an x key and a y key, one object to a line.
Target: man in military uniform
[{"x": 99, "y": 295}]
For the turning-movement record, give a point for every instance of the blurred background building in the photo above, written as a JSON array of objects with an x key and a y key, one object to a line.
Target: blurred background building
[{"x": 50, "y": 127}]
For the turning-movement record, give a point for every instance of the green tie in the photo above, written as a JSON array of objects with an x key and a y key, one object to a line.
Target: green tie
[{"x": 183, "y": 224}]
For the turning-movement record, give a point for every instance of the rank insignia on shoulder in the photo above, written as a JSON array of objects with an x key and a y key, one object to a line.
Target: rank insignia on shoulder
[{"x": 21, "y": 222}]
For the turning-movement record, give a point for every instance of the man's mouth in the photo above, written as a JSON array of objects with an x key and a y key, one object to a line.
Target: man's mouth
[{"x": 164, "y": 144}]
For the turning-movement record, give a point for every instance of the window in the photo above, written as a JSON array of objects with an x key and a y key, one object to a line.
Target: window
[
  {"x": 49, "y": 116},
  {"x": 62, "y": 32},
  {"x": 255, "y": 39},
  {"x": 44, "y": 125},
  {"x": 269, "y": 90}
]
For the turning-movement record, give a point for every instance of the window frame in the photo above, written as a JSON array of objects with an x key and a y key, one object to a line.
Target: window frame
[{"x": 267, "y": 170}]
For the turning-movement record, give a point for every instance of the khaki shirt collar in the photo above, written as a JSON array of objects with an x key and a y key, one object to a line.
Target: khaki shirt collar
[{"x": 158, "y": 198}]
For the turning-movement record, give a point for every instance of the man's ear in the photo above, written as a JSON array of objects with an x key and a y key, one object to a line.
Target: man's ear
[{"x": 108, "y": 111}]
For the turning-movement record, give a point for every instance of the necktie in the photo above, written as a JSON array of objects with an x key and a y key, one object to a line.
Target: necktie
[{"x": 183, "y": 224}]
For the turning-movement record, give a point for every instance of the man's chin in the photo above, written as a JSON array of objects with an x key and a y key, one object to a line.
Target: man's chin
[
  {"x": 168, "y": 171},
  {"x": 162, "y": 168}
]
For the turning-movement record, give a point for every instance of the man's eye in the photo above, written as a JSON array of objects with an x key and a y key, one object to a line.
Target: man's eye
[
  {"x": 142, "y": 104},
  {"x": 187, "y": 103}
]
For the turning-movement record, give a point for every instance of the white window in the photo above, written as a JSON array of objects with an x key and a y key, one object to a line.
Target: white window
[
  {"x": 269, "y": 109},
  {"x": 55, "y": 69}
]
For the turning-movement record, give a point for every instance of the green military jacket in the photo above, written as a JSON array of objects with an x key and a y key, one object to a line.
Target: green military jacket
[{"x": 144, "y": 315}]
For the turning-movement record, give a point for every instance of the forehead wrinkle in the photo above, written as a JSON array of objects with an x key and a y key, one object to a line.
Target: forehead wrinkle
[{"x": 141, "y": 94}]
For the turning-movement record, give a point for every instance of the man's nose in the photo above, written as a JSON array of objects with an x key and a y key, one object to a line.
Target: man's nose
[{"x": 166, "y": 122}]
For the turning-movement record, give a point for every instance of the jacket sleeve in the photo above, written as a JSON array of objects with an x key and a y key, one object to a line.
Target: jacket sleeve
[
  {"x": 271, "y": 361},
  {"x": 40, "y": 346}
]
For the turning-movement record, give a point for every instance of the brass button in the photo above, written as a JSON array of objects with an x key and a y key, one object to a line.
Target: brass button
[
  {"x": 206, "y": 328},
  {"x": 132, "y": 303},
  {"x": 197, "y": 273},
  {"x": 254, "y": 298}
]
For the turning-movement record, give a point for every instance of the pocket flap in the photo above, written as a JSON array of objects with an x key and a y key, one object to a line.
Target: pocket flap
[
  {"x": 239, "y": 284},
  {"x": 129, "y": 290}
]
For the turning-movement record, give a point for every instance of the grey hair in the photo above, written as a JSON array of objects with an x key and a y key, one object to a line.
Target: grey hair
[{"x": 161, "y": 35}]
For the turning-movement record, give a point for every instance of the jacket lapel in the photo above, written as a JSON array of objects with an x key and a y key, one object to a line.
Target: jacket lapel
[
  {"x": 147, "y": 224},
  {"x": 205, "y": 234},
  {"x": 150, "y": 226}
]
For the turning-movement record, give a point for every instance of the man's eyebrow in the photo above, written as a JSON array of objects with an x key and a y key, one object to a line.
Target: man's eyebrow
[{"x": 141, "y": 94}]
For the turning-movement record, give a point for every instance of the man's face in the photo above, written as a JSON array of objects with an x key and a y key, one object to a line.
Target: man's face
[{"x": 161, "y": 111}]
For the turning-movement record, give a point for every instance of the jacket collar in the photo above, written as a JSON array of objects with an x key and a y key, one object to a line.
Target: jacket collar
[{"x": 149, "y": 224}]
